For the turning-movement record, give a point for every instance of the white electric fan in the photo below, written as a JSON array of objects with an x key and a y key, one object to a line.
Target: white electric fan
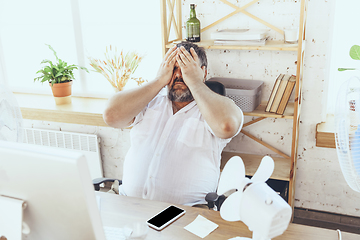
[
  {"x": 347, "y": 131},
  {"x": 11, "y": 129},
  {"x": 254, "y": 203},
  {"x": 11, "y": 124}
]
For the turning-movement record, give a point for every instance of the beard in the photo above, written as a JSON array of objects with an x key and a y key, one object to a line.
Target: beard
[{"x": 179, "y": 95}]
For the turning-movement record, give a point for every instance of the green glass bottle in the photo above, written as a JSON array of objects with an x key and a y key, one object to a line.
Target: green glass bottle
[{"x": 193, "y": 26}]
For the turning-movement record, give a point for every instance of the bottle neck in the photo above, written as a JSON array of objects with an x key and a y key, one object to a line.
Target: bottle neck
[{"x": 192, "y": 13}]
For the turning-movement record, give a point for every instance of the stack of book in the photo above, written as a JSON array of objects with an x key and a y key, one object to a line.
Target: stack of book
[
  {"x": 250, "y": 37},
  {"x": 281, "y": 93}
]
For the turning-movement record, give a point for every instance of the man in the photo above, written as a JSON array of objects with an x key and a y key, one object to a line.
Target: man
[{"x": 176, "y": 138}]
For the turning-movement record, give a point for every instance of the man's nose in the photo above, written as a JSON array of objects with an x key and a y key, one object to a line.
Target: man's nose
[{"x": 177, "y": 73}]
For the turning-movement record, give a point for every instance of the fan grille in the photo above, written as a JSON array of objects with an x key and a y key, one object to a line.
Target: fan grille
[{"x": 347, "y": 135}]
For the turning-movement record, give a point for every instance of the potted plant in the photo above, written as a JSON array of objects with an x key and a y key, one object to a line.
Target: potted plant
[
  {"x": 60, "y": 76},
  {"x": 117, "y": 68}
]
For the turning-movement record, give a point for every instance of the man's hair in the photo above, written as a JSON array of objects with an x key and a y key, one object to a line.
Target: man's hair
[{"x": 199, "y": 51}]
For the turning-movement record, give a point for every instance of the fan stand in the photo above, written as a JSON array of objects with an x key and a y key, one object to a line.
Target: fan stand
[{"x": 11, "y": 218}]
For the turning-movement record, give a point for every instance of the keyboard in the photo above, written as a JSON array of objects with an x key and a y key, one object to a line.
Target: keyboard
[{"x": 114, "y": 233}]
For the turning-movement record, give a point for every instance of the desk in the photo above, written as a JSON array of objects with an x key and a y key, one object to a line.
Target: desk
[{"x": 116, "y": 211}]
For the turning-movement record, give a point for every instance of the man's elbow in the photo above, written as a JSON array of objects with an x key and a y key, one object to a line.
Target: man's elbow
[
  {"x": 109, "y": 118},
  {"x": 115, "y": 119},
  {"x": 229, "y": 128}
]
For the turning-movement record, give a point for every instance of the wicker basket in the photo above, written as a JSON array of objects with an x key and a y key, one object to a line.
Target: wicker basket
[{"x": 245, "y": 93}]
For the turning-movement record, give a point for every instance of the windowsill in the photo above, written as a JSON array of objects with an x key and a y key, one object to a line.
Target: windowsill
[
  {"x": 325, "y": 133},
  {"x": 86, "y": 111}
]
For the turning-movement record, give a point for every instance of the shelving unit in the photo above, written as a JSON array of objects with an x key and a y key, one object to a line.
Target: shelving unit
[{"x": 285, "y": 166}]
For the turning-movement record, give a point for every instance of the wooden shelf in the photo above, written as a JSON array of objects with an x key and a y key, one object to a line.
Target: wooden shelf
[
  {"x": 325, "y": 133},
  {"x": 260, "y": 112},
  {"x": 252, "y": 162},
  {"x": 285, "y": 168},
  {"x": 270, "y": 46},
  {"x": 87, "y": 111}
]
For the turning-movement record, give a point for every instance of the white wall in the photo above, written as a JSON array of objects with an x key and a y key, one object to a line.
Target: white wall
[{"x": 319, "y": 181}]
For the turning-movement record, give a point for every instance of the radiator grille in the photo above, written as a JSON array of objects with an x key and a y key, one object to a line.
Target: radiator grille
[
  {"x": 88, "y": 144},
  {"x": 77, "y": 141}
]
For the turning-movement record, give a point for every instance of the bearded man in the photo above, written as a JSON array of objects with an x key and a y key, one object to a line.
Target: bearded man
[{"x": 177, "y": 137}]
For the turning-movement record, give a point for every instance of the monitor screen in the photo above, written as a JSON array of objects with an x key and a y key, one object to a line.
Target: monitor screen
[{"x": 57, "y": 188}]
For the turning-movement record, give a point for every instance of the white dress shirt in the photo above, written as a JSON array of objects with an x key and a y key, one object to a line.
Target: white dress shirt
[{"x": 173, "y": 158}]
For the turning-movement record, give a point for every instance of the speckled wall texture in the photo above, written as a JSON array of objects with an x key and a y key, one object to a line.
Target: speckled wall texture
[{"x": 319, "y": 181}]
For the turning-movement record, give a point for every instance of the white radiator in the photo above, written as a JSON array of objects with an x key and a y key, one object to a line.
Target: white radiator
[{"x": 88, "y": 144}]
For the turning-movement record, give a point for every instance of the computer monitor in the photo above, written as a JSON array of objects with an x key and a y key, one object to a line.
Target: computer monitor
[{"x": 57, "y": 188}]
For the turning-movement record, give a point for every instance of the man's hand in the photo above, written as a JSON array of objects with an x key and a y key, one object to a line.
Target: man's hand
[
  {"x": 220, "y": 112},
  {"x": 166, "y": 69},
  {"x": 191, "y": 71}
]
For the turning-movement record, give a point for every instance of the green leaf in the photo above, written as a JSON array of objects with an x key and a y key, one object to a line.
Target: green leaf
[
  {"x": 47, "y": 69},
  {"x": 355, "y": 52},
  {"x": 345, "y": 69},
  {"x": 46, "y": 61},
  {"x": 85, "y": 69},
  {"x": 53, "y": 51}
]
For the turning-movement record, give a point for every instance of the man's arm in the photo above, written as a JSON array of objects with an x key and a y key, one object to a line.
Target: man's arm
[
  {"x": 220, "y": 112},
  {"x": 124, "y": 106}
]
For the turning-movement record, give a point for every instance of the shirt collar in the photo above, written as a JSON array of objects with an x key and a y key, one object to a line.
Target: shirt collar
[{"x": 184, "y": 109}]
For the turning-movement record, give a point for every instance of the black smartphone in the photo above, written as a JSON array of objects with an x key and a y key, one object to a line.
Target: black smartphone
[{"x": 165, "y": 217}]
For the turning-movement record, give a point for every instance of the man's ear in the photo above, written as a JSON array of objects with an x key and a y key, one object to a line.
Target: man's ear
[{"x": 205, "y": 72}]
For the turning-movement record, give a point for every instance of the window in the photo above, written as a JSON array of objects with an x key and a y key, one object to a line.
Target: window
[
  {"x": 76, "y": 29},
  {"x": 344, "y": 35}
]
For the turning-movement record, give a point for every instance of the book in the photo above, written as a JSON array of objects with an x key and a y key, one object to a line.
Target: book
[
  {"x": 260, "y": 42},
  {"x": 239, "y": 34},
  {"x": 273, "y": 92},
  {"x": 287, "y": 93},
  {"x": 279, "y": 93}
]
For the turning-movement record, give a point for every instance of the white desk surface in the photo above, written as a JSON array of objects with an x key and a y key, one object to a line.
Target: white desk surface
[{"x": 116, "y": 211}]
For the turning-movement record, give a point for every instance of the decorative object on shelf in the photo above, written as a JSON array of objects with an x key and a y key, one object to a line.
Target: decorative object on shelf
[
  {"x": 245, "y": 93},
  {"x": 281, "y": 93},
  {"x": 291, "y": 35},
  {"x": 60, "y": 76},
  {"x": 192, "y": 26},
  {"x": 240, "y": 37},
  {"x": 117, "y": 68},
  {"x": 286, "y": 95},
  {"x": 273, "y": 92}
]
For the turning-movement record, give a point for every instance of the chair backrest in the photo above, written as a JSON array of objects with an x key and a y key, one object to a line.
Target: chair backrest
[{"x": 216, "y": 87}]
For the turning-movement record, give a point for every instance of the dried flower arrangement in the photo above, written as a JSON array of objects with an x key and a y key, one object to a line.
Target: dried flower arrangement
[{"x": 116, "y": 68}]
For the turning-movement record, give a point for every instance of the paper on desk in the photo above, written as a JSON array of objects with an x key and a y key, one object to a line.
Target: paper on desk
[{"x": 201, "y": 226}]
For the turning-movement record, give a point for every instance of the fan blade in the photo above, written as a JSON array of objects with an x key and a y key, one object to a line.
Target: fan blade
[
  {"x": 230, "y": 209},
  {"x": 232, "y": 175},
  {"x": 264, "y": 171}
]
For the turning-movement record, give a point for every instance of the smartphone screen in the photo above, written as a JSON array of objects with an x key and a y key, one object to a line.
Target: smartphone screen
[{"x": 165, "y": 217}]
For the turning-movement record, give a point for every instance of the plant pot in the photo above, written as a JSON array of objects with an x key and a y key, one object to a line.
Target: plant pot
[{"x": 61, "y": 92}]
